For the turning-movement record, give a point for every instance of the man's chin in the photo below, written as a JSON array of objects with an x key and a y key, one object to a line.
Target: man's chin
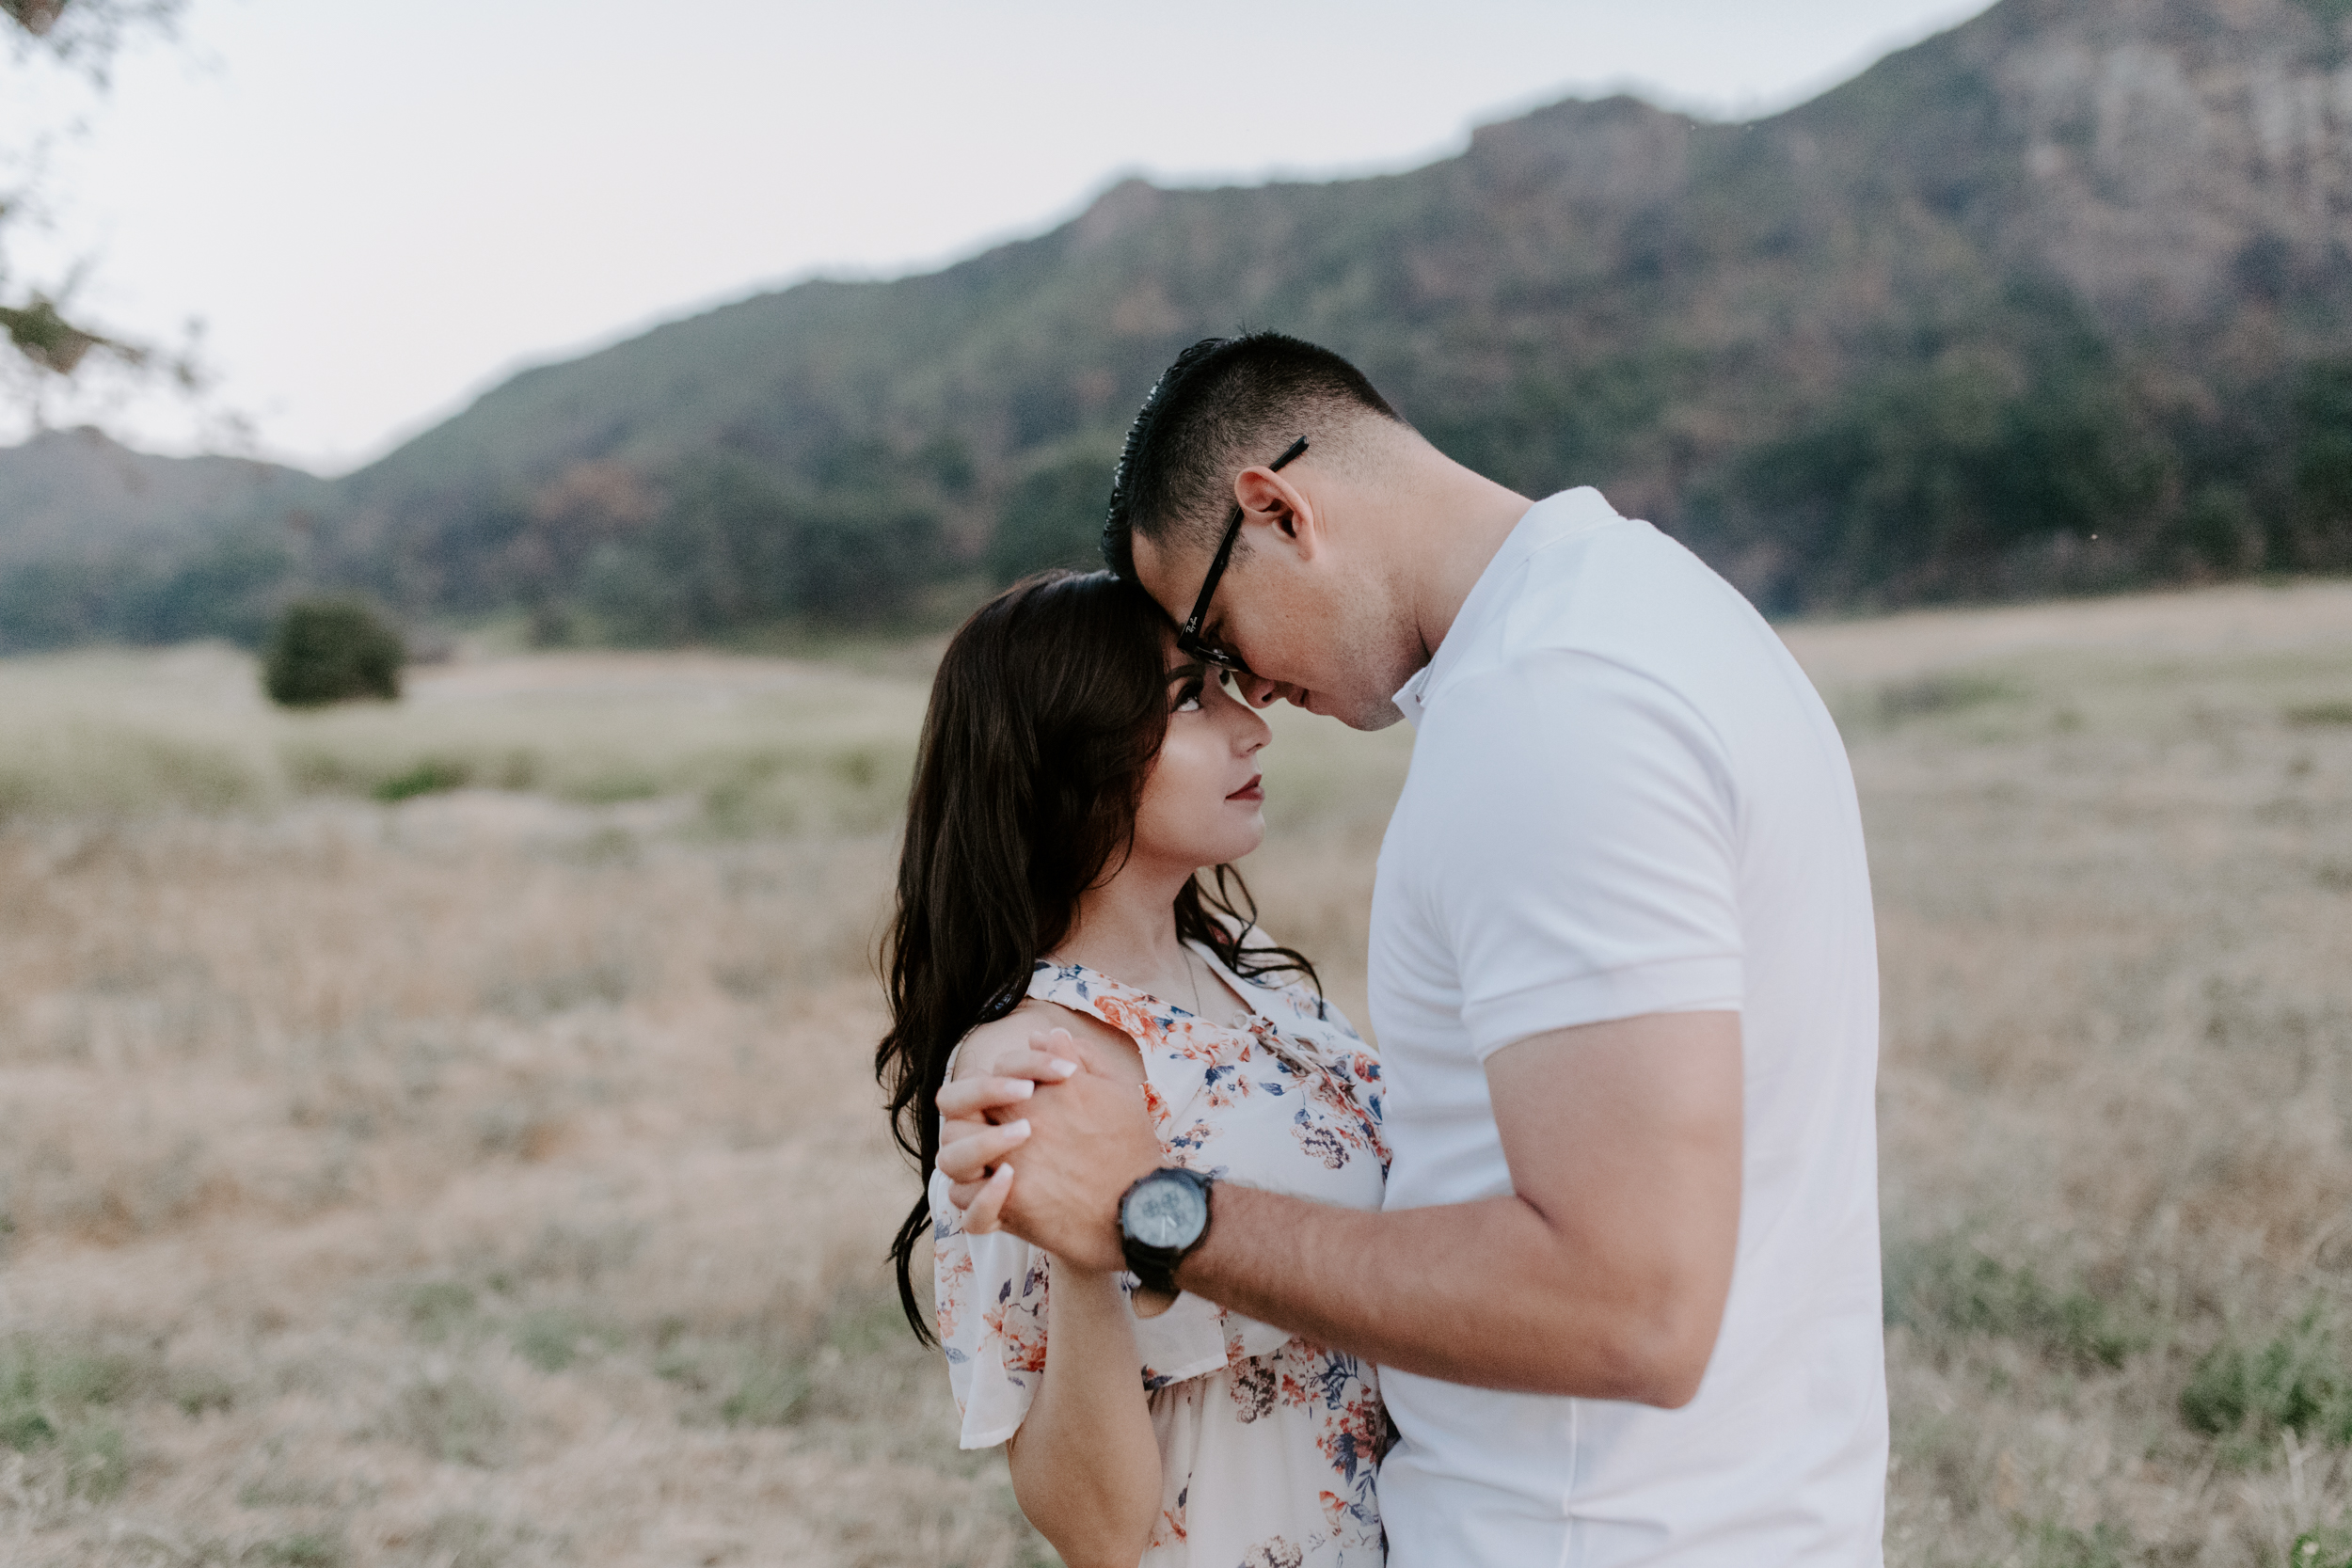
[{"x": 1363, "y": 713}]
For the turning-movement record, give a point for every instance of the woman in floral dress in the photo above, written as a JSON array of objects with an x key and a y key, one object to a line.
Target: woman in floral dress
[{"x": 1077, "y": 776}]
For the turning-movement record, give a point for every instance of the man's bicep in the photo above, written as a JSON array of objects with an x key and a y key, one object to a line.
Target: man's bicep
[
  {"x": 1619, "y": 1128},
  {"x": 1625, "y": 1137}
]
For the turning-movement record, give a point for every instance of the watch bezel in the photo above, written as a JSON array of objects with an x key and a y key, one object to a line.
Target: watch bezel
[{"x": 1155, "y": 1266}]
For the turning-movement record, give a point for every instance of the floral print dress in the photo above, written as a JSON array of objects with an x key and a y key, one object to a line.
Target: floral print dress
[{"x": 1268, "y": 1442}]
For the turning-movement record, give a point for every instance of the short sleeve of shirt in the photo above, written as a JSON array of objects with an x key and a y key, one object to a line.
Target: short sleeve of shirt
[
  {"x": 1580, "y": 847},
  {"x": 989, "y": 1293}
]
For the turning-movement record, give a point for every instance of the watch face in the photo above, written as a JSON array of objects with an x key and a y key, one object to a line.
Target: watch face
[{"x": 1167, "y": 1213}]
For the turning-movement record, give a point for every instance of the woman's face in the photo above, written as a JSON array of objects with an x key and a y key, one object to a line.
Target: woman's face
[{"x": 1201, "y": 804}]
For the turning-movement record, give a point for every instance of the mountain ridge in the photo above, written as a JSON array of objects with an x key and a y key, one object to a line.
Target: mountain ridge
[{"x": 2056, "y": 299}]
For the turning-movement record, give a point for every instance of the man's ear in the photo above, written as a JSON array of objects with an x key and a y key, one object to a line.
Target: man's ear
[{"x": 1270, "y": 498}]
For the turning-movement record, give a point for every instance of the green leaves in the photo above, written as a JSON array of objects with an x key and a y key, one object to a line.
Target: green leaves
[{"x": 46, "y": 338}]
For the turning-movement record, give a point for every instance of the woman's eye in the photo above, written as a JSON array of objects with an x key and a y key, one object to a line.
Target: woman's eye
[{"x": 1188, "y": 700}]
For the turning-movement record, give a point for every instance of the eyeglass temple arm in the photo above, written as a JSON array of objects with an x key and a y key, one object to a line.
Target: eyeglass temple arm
[{"x": 1225, "y": 550}]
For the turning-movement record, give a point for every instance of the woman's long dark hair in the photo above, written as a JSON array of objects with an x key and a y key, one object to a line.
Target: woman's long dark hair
[{"x": 1046, "y": 715}]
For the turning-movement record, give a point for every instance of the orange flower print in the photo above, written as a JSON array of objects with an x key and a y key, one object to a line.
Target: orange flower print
[
  {"x": 952, "y": 1277},
  {"x": 1170, "y": 1529},
  {"x": 1129, "y": 1017},
  {"x": 1018, "y": 1323}
]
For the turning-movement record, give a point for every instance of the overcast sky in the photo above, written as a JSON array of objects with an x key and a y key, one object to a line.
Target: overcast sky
[{"x": 378, "y": 211}]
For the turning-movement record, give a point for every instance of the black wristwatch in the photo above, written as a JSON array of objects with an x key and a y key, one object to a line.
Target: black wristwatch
[{"x": 1161, "y": 1219}]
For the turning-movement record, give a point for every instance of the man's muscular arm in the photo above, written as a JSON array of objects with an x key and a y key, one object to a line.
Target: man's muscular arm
[{"x": 1603, "y": 1273}]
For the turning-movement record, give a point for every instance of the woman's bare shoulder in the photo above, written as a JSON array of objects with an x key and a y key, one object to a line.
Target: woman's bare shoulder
[{"x": 1002, "y": 1036}]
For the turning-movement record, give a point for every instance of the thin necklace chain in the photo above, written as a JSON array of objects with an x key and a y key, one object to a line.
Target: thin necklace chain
[{"x": 1194, "y": 964}]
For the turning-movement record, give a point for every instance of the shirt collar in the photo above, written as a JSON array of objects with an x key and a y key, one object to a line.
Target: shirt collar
[{"x": 1547, "y": 522}]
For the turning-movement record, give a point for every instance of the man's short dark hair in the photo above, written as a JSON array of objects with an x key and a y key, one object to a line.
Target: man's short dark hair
[{"x": 1225, "y": 404}]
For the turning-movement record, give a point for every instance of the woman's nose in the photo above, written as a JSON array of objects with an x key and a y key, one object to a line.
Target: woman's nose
[{"x": 1255, "y": 732}]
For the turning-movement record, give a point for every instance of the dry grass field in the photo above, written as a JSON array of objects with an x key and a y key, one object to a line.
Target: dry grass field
[{"x": 439, "y": 1135}]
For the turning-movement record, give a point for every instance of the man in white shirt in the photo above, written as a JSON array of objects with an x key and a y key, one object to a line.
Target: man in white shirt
[{"x": 1624, "y": 1291}]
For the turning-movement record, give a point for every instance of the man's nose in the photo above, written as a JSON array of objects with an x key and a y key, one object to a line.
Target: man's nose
[{"x": 1258, "y": 691}]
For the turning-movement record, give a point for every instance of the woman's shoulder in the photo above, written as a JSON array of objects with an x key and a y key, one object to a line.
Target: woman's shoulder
[{"x": 999, "y": 1038}]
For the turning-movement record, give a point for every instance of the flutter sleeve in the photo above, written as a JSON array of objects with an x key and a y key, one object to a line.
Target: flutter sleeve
[{"x": 990, "y": 1296}]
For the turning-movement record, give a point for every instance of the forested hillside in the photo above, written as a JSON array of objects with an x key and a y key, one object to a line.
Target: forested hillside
[{"x": 2058, "y": 300}]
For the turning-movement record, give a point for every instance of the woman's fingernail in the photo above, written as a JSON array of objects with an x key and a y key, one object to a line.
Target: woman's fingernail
[
  {"x": 1065, "y": 1068},
  {"x": 1018, "y": 1129},
  {"x": 1023, "y": 1088}
]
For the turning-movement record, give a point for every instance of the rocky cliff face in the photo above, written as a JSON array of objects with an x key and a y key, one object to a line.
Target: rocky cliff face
[{"x": 2176, "y": 161}]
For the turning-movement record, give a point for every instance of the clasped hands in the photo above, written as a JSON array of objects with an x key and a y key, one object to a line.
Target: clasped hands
[{"x": 1043, "y": 1143}]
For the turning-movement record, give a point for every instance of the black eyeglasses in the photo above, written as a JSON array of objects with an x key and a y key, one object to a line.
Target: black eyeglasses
[{"x": 1188, "y": 635}]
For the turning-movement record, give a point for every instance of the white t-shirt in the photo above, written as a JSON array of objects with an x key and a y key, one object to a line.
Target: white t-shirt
[{"x": 1627, "y": 799}]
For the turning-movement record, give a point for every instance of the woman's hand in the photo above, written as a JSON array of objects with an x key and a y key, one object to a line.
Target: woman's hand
[{"x": 983, "y": 1122}]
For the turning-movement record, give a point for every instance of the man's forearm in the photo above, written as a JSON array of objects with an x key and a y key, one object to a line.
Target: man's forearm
[{"x": 1473, "y": 1293}]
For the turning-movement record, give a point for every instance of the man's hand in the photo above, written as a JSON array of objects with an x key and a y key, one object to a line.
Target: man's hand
[{"x": 1082, "y": 1142}]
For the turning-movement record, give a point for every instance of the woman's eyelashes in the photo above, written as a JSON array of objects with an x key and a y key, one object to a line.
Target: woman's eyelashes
[{"x": 1189, "y": 695}]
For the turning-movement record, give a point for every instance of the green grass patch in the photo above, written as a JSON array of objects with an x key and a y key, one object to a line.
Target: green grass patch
[
  {"x": 768, "y": 1392},
  {"x": 552, "y": 1337},
  {"x": 2103, "y": 1545},
  {"x": 440, "y": 1308},
  {"x": 59, "y": 1404},
  {"x": 1933, "y": 696},
  {"x": 460, "y": 1540},
  {"x": 2321, "y": 1548},
  {"x": 308, "y": 1550},
  {"x": 81, "y": 769},
  {"x": 431, "y": 776},
  {"x": 2295, "y": 1381},
  {"x": 1949, "y": 1290},
  {"x": 455, "y": 1419},
  {"x": 2313, "y": 716}
]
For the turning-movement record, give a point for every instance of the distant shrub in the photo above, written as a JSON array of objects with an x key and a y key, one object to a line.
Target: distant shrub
[{"x": 331, "y": 651}]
